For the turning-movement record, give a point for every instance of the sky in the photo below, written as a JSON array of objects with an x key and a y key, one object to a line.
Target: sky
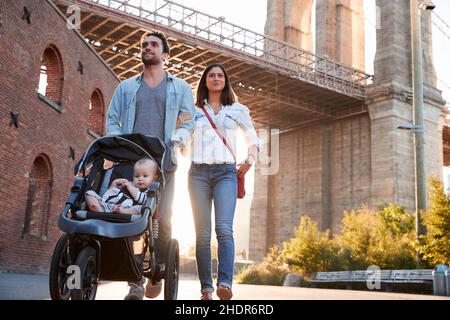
[{"x": 251, "y": 14}]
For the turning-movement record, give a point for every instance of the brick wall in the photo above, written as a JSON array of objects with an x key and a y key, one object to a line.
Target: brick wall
[{"x": 42, "y": 129}]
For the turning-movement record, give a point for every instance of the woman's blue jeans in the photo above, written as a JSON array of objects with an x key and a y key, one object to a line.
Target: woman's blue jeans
[{"x": 216, "y": 182}]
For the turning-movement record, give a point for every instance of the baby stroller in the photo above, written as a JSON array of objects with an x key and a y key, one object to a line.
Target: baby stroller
[{"x": 108, "y": 246}]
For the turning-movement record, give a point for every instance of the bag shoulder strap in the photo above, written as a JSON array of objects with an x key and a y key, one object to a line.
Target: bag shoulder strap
[{"x": 221, "y": 136}]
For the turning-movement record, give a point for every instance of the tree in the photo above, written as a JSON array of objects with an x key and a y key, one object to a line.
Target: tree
[{"x": 435, "y": 244}]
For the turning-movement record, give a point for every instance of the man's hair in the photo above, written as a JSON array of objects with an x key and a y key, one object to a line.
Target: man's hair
[
  {"x": 160, "y": 35},
  {"x": 227, "y": 96}
]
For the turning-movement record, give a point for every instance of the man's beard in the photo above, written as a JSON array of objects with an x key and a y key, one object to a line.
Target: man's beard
[{"x": 151, "y": 61}]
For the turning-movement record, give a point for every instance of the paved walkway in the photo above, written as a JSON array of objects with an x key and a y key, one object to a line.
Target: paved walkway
[{"x": 35, "y": 287}]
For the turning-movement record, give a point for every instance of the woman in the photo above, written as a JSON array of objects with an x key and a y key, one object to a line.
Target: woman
[{"x": 213, "y": 174}]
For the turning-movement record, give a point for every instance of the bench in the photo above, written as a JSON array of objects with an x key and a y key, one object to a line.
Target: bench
[
  {"x": 361, "y": 277},
  {"x": 412, "y": 276}
]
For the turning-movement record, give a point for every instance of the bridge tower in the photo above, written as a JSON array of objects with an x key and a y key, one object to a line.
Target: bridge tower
[
  {"x": 340, "y": 164},
  {"x": 389, "y": 100},
  {"x": 290, "y": 21},
  {"x": 340, "y": 31}
]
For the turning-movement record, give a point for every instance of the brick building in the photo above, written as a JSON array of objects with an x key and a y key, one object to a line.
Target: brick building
[{"x": 54, "y": 93}]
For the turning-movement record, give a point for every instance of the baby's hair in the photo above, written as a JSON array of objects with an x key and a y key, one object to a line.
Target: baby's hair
[{"x": 146, "y": 162}]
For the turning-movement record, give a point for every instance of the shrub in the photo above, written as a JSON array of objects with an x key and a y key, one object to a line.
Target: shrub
[
  {"x": 310, "y": 250},
  {"x": 435, "y": 244},
  {"x": 382, "y": 238},
  {"x": 397, "y": 219},
  {"x": 271, "y": 271}
]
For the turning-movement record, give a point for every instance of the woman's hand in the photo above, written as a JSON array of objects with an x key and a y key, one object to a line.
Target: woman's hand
[
  {"x": 243, "y": 168},
  {"x": 246, "y": 165},
  {"x": 182, "y": 118}
]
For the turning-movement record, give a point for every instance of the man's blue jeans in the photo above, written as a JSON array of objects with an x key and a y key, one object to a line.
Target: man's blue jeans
[
  {"x": 216, "y": 182},
  {"x": 165, "y": 225}
]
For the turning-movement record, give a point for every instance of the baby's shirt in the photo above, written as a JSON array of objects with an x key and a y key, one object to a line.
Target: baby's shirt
[{"x": 116, "y": 195}]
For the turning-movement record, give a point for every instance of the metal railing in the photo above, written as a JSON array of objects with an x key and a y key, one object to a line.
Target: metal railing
[{"x": 279, "y": 55}]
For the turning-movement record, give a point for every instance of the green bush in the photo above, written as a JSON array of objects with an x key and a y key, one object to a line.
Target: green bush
[
  {"x": 382, "y": 238},
  {"x": 434, "y": 246},
  {"x": 385, "y": 238},
  {"x": 397, "y": 219},
  {"x": 310, "y": 250},
  {"x": 271, "y": 271}
]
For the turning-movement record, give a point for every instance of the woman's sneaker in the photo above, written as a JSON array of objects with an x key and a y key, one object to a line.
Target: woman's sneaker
[
  {"x": 152, "y": 291},
  {"x": 224, "y": 292},
  {"x": 206, "y": 296}
]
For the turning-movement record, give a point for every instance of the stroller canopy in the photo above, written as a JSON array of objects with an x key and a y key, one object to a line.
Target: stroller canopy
[{"x": 127, "y": 148}]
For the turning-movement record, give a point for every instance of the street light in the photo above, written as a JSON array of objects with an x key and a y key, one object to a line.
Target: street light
[
  {"x": 426, "y": 5},
  {"x": 418, "y": 122}
]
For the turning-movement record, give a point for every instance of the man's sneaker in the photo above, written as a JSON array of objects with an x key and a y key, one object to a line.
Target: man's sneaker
[
  {"x": 224, "y": 292},
  {"x": 136, "y": 292},
  {"x": 152, "y": 291}
]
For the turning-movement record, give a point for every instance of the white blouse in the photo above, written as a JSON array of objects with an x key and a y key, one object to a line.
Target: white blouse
[{"x": 207, "y": 147}]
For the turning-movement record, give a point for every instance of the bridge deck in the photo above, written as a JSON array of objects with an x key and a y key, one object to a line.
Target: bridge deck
[{"x": 284, "y": 86}]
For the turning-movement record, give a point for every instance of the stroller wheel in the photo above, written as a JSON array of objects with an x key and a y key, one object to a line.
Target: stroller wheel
[
  {"x": 87, "y": 263},
  {"x": 61, "y": 259},
  {"x": 171, "y": 273}
]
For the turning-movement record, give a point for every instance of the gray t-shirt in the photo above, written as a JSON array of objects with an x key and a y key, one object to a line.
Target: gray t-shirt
[{"x": 151, "y": 109}]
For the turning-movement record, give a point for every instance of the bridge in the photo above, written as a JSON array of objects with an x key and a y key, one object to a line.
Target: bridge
[{"x": 284, "y": 86}]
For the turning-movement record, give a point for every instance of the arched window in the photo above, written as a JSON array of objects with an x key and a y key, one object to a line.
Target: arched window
[
  {"x": 96, "y": 112},
  {"x": 38, "y": 201},
  {"x": 51, "y": 75}
]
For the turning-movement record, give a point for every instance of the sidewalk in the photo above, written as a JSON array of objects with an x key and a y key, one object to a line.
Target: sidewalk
[{"x": 35, "y": 287}]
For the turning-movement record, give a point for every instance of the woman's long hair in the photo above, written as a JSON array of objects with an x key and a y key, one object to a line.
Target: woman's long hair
[{"x": 227, "y": 97}]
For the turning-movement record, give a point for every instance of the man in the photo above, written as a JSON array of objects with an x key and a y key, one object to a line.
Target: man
[{"x": 149, "y": 103}]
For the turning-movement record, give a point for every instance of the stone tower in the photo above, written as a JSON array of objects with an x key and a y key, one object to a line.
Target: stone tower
[
  {"x": 390, "y": 105},
  {"x": 290, "y": 21},
  {"x": 339, "y": 27},
  {"x": 340, "y": 165},
  {"x": 340, "y": 31}
]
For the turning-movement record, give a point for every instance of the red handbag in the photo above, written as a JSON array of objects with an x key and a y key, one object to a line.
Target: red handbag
[
  {"x": 240, "y": 176},
  {"x": 240, "y": 185}
]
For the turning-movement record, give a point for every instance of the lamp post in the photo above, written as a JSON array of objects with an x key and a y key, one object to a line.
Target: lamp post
[{"x": 418, "y": 122}]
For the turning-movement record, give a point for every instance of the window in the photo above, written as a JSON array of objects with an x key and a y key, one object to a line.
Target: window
[
  {"x": 43, "y": 80},
  {"x": 51, "y": 76},
  {"x": 96, "y": 112},
  {"x": 38, "y": 200}
]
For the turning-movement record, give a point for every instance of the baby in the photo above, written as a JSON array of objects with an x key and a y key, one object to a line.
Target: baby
[{"x": 125, "y": 196}]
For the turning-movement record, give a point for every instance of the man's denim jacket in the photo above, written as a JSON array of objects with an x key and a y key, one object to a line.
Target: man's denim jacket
[{"x": 179, "y": 99}]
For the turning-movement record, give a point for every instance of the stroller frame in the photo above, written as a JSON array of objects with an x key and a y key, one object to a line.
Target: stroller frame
[{"x": 108, "y": 246}]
